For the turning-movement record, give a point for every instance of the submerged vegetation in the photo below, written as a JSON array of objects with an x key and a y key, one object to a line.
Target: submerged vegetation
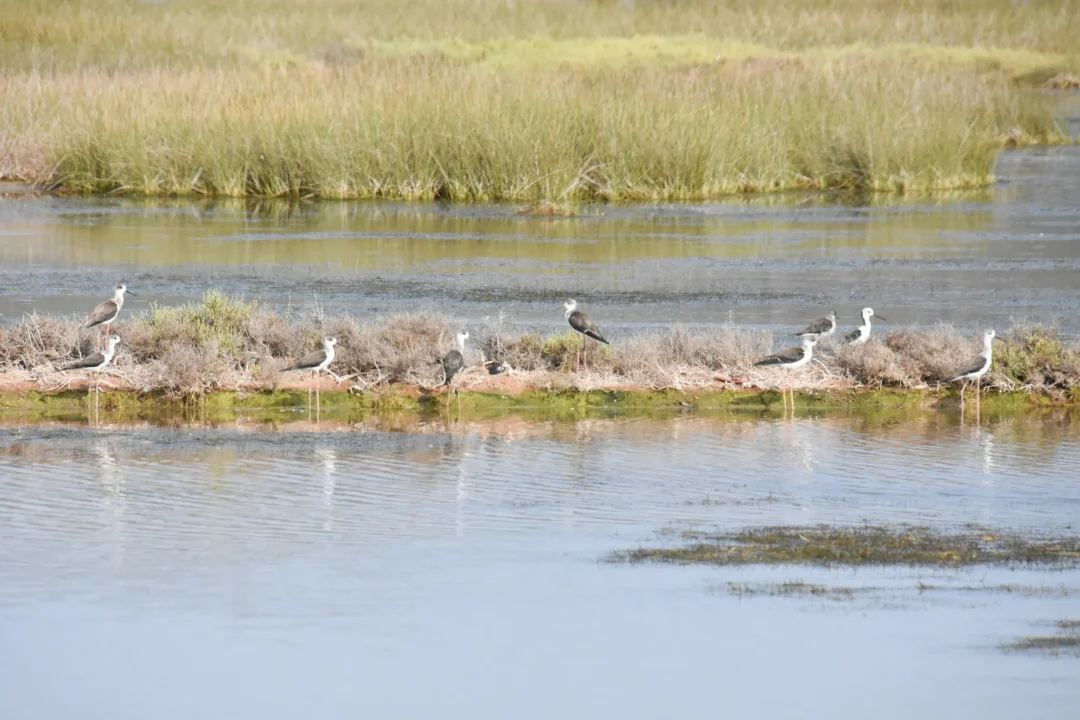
[
  {"x": 1067, "y": 641},
  {"x": 542, "y": 102},
  {"x": 226, "y": 342},
  {"x": 864, "y": 545}
]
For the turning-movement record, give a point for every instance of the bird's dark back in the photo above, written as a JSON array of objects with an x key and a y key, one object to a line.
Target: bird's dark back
[{"x": 452, "y": 362}]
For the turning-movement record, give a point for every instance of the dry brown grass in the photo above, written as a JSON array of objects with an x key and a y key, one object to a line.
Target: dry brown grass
[
  {"x": 675, "y": 358},
  {"x": 907, "y": 358},
  {"x": 226, "y": 342}
]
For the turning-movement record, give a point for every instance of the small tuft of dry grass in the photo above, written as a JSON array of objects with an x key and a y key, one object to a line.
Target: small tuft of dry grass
[
  {"x": 932, "y": 356},
  {"x": 874, "y": 363},
  {"x": 401, "y": 348},
  {"x": 184, "y": 369},
  {"x": 41, "y": 339}
]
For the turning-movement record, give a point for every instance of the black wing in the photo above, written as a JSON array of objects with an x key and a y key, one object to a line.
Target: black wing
[
  {"x": 821, "y": 325},
  {"x": 452, "y": 364},
  {"x": 784, "y": 357},
  {"x": 494, "y": 367},
  {"x": 852, "y": 336},
  {"x": 105, "y": 311},
  {"x": 584, "y": 325},
  {"x": 975, "y": 364},
  {"x": 90, "y": 361},
  {"x": 311, "y": 360}
]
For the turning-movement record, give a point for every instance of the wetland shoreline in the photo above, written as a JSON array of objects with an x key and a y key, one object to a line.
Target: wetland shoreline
[
  {"x": 225, "y": 346},
  {"x": 497, "y": 397}
]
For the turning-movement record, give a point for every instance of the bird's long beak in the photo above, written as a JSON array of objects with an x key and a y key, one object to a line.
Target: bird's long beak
[
  {"x": 881, "y": 318},
  {"x": 128, "y": 292},
  {"x": 1003, "y": 340}
]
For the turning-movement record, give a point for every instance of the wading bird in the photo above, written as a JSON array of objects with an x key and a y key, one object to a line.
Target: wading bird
[
  {"x": 317, "y": 361},
  {"x": 861, "y": 334},
  {"x": 96, "y": 363},
  {"x": 107, "y": 311},
  {"x": 584, "y": 325},
  {"x": 453, "y": 362},
  {"x": 823, "y": 328},
  {"x": 977, "y": 366},
  {"x": 791, "y": 359}
]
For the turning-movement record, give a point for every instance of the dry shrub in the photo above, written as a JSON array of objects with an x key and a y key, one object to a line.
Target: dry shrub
[
  {"x": 184, "y": 369},
  {"x": 269, "y": 333},
  {"x": 932, "y": 356},
  {"x": 38, "y": 340},
  {"x": 524, "y": 353},
  {"x": 403, "y": 347},
  {"x": 659, "y": 358},
  {"x": 736, "y": 349},
  {"x": 874, "y": 363}
]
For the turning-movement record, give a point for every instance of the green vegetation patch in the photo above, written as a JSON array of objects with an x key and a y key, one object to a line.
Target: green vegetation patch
[{"x": 864, "y": 545}]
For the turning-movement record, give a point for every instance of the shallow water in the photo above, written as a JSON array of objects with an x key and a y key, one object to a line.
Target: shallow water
[
  {"x": 975, "y": 259},
  {"x": 257, "y": 568},
  {"x": 161, "y": 572}
]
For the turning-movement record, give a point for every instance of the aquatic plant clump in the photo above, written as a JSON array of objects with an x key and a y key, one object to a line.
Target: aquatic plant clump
[
  {"x": 1065, "y": 642},
  {"x": 226, "y": 342},
  {"x": 864, "y": 545}
]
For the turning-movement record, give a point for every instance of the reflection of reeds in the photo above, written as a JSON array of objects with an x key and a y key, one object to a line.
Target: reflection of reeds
[
  {"x": 547, "y": 101},
  {"x": 224, "y": 341}
]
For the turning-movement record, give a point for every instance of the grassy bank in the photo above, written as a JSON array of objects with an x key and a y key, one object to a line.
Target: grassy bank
[
  {"x": 522, "y": 101},
  {"x": 224, "y": 342}
]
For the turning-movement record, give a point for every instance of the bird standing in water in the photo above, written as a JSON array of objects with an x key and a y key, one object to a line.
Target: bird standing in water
[
  {"x": 976, "y": 367},
  {"x": 791, "y": 359},
  {"x": 317, "y": 361},
  {"x": 453, "y": 362}
]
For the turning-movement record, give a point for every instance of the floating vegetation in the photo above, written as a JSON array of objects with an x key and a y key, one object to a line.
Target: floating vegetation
[
  {"x": 795, "y": 588},
  {"x": 864, "y": 545},
  {"x": 1066, "y": 642},
  {"x": 547, "y": 209}
]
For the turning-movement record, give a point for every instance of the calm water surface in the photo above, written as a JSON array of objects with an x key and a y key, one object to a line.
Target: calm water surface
[
  {"x": 974, "y": 259},
  {"x": 458, "y": 571}
]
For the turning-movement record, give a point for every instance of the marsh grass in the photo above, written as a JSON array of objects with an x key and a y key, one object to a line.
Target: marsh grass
[
  {"x": 224, "y": 341},
  {"x": 545, "y": 102},
  {"x": 864, "y": 545}
]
